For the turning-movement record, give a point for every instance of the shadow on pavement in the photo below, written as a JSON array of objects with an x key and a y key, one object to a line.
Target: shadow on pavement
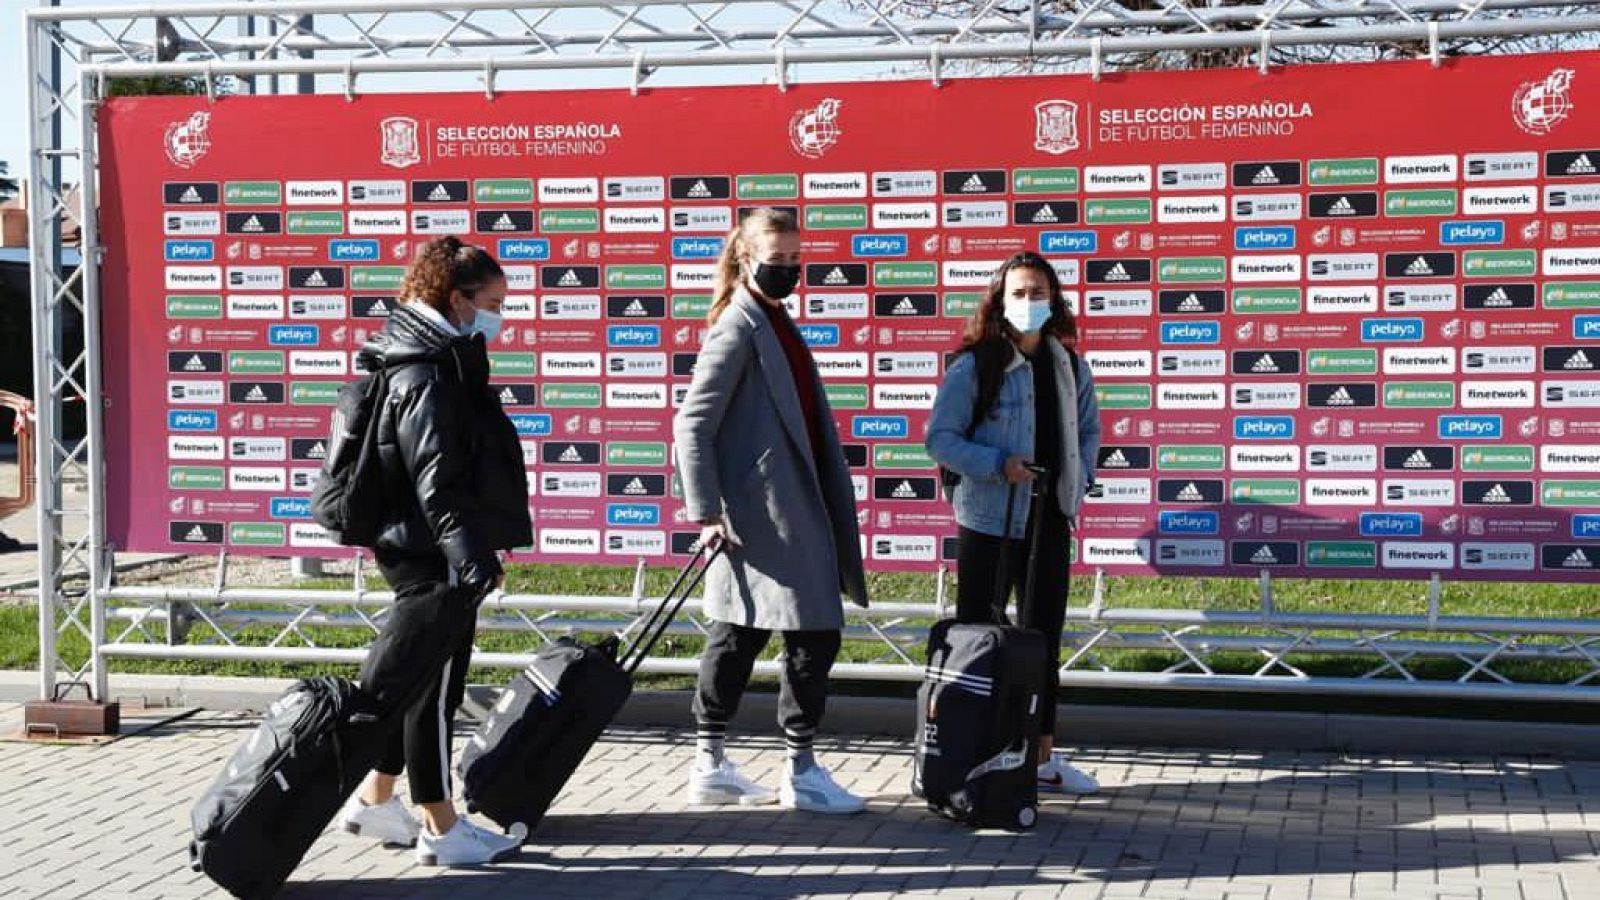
[{"x": 1318, "y": 822}]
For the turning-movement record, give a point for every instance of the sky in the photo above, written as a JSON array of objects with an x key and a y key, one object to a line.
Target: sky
[{"x": 13, "y": 74}]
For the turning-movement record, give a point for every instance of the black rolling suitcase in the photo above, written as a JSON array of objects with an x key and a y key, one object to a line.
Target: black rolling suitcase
[
  {"x": 284, "y": 784},
  {"x": 552, "y": 713},
  {"x": 978, "y": 711}
]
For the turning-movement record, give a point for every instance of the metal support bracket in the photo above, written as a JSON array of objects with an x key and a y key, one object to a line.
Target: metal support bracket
[
  {"x": 936, "y": 64},
  {"x": 1097, "y": 600},
  {"x": 1268, "y": 602}
]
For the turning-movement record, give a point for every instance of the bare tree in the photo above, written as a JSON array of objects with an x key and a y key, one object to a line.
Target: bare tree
[
  {"x": 1068, "y": 10},
  {"x": 8, "y": 184}
]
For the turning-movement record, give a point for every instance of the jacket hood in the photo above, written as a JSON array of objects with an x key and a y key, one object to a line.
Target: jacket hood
[{"x": 410, "y": 337}]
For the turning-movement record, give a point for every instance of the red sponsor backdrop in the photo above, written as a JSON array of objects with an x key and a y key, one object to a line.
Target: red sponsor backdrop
[{"x": 1341, "y": 317}]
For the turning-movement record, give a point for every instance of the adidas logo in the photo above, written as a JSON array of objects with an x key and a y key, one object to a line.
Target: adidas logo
[
  {"x": 438, "y": 193},
  {"x": 256, "y": 394},
  {"x": 571, "y": 455},
  {"x": 837, "y": 276},
  {"x": 1577, "y": 559},
  {"x": 190, "y": 195},
  {"x": 1342, "y": 207},
  {"x": 1118, "y": 272},
  {"x": 700, "y": 191},
  {"x": 319, "y": 450},
  {"x": 195, "y": 364},
  {"x": 196, "y": 533},
  {"x": 974, "y": 185},
  {"x": 1419, "y": 266},
  {"x": 1116, "y": 460},
  {"x": 1341, "y": 397},
  {"x": 905, "y": 491},
  {"x": 905, "y": 307},
  {"x": 1499, "y": 297},
  {"x": 635, "y": 488},
  {"x": 504, "y": 223},
  {"x": 1496, "y": 494},
  {"x": 1191, "y": 494},
  {"x": 1265, "y": 364},
  {"x": 508, "y": 396},
  {"x": 252, "y": 224},
  {"x": 1265, "y": 176},
  {"x": 1418, "y": 460},
  {"x": 1581, "y": 166},
  {"x": 1191, "y": 303},
  {"x": 1264, "y": 556},
  {"x": 1578, "y": 360},
  {"x": 1045, "y": 215},
  {"x": 635, "y": 309},
  {"x": 315, "y": 279},
  {"x": 570, "y": 279},
  {"x": 379, "y": 308}
]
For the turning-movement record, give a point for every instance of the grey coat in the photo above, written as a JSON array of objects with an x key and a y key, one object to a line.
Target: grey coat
[{"x": 743, "y": 453}]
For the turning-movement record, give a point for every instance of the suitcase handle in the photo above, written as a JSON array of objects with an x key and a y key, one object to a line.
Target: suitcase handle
[
  {"x": 1003, "y": 580},
  {"x": 663, "y": 614}
]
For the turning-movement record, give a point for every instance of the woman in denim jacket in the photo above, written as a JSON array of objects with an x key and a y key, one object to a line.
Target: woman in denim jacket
[{"x": 1016, "y": 396}]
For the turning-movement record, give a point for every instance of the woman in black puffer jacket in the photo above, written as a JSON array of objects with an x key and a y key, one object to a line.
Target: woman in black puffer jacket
[{"x": 458, "y": 494}]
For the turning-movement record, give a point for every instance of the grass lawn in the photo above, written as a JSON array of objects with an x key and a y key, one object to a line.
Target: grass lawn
[{"x": 19, "y": 640}]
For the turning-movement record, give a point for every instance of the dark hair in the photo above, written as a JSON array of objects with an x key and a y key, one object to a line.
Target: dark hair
[
  {"x": 991, "y": 339},
  {"x": 446, "y": 264}
]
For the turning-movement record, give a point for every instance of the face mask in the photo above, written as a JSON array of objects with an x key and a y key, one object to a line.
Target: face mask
[
  {"x": 776, "y": 282},
  {"x": 1027, "y": 316},
  {"x": 485, "y": 323}
]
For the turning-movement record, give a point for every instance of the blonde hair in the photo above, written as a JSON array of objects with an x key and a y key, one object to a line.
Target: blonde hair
[{"x": 764, "y": 220}]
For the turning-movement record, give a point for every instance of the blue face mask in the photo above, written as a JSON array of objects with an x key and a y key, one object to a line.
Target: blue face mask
[
  {"x": 1027, "y": 316},
  {"x": 485, "y": 323}
]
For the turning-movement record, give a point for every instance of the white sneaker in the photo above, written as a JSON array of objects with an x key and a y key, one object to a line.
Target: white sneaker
[
  {"x": 814, "y": 790},
  {"x": 1057, "y": 776},
  {"x": 389, "y": 821},
  {"x": 466, "y": 844},
  {"x": 724, "y": 785}
]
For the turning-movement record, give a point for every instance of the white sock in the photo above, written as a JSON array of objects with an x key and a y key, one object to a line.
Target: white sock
[{"x": 710, "y": 743}]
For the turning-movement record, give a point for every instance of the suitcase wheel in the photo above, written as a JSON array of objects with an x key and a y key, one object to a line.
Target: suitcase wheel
[{"x": 1027, "y": 815}]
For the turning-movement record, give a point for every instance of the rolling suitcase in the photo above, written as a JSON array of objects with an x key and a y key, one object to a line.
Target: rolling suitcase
[
  {"x": 284, "y": 784},
  {"x": 978, "y": 715},
  {"x": 549, "y": 716}
]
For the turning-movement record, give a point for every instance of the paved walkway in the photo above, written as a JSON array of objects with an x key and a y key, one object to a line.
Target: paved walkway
[{"x": 112, "y": 822}]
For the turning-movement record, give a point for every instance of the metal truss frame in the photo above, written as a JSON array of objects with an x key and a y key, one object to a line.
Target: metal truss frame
[{"x": 74, "y": 53}]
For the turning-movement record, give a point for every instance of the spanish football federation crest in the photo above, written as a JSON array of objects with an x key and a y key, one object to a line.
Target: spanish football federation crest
[
  {"x": 1055, "y": 126},
  {"x": 189, "y": 140},
  {"x": 400, "y": 147},
  {"x": 813, "y": 131},
  {"x": 1539, "y": 106}
]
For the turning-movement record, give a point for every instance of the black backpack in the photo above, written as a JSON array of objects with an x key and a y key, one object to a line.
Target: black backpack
[
  {"x": 349, "y": 498},
  {"x": 949, "y": 478}
]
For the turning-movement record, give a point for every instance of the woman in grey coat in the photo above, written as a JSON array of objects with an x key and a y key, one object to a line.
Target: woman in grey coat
[{"x": 763, "y": 473}]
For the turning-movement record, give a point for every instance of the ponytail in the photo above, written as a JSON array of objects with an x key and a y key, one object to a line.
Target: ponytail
[
  {"x": 729, "y": 271},
  {"x": 444, "y": 265}
]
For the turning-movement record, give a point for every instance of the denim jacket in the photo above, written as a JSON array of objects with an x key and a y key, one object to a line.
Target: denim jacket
[{"x": 980, "y": 498}]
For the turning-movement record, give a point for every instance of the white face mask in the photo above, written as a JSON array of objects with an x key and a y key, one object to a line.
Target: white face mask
[
  {"x": 486, "y": 323},
  {"x": 1027, "y": 316}
]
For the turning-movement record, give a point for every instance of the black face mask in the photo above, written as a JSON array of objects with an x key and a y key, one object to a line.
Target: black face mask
[{"x": 776, "y": 282}]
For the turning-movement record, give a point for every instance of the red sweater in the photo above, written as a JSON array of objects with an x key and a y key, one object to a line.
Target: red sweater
[{"x": 802, "y": 367}]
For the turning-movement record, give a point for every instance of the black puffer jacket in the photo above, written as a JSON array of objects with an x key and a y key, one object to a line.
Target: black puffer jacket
[{"x": 451, "y": 458}]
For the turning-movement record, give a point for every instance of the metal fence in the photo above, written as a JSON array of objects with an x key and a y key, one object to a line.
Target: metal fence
[{"x": 349, "y": 46}]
